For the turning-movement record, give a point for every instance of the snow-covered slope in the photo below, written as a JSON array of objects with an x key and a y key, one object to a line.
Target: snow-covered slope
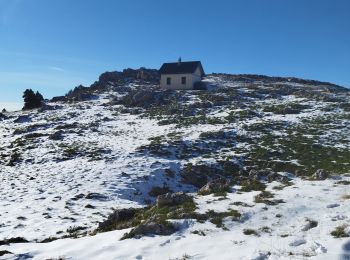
[
  {"x": 280, "y": 231},
  {"x": 63, "y": 169}
]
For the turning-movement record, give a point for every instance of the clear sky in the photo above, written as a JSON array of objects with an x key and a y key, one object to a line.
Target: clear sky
[{"x": 54, "y": 45}]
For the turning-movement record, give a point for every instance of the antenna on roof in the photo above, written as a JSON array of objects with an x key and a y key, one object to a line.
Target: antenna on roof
[{"x": 179, "y": 61}]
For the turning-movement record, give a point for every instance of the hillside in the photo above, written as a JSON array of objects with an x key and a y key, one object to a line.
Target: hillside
[{"x": 264, "y": 164}]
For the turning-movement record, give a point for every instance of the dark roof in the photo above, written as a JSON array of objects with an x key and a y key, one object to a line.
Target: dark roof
[{"x": 181, "y": 67}]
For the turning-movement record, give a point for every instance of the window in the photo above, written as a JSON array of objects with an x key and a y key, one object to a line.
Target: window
[
  {"x": 168, "y": 81},
  {"x": 183, "y": 80}
]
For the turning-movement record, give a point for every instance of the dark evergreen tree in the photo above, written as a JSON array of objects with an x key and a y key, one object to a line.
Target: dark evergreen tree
[{"x": 31, "y": 99}]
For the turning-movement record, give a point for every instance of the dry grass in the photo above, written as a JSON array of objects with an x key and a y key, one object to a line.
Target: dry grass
[{"x": 346, "y": 197}]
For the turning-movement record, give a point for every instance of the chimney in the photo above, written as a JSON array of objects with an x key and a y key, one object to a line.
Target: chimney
[{"x": 179, "y": 62}]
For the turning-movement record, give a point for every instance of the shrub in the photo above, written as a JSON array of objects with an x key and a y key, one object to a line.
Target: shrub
[{"x": 340, "y": 232}]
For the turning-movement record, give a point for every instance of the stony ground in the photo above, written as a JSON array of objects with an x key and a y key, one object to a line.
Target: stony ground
[{"x": 266, "y": 164}]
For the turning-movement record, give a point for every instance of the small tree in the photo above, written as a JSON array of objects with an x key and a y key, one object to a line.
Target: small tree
[{"x": 31, "y": 99}]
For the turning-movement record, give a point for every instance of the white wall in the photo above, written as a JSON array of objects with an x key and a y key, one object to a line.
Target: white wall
[{"x": 176, "y": 80}]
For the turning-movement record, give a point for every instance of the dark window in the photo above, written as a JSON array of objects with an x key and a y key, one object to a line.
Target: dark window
[
  {"x": 168, "y": 81},
  {"x": 183, "y": 80}
]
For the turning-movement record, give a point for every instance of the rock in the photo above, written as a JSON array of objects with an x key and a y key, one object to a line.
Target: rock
[
  {"x": 297, "y": 242},
  {"x": 318, "y": 248},
  {"x": 320, "y": 174},
  {"x": 58, "y": 99},
  {"x": 214, "y": 186},
  {"x": 96, "y": 196},
  {"x": 118, "y": 216},
  {"x": 57, "y": 135},
  {"x": 13, "y": 240},
  {"x": 169, "y": 172},
  {"x": 274, "y": 176},
  {"x": 260, "y": 256},
  {"x": 5, "y": 252},
  {"x": 171, "y": 199},
  {"x": 309, "y": 225},
  {"x": 334, "y": 205},
  {"x": 22, "y": 119},
  {"x": 2, "y": 116},
  {"x": 153, "y": 228}
]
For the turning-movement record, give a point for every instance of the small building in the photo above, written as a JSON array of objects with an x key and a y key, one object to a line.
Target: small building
[{"x": 180, "y": 75}]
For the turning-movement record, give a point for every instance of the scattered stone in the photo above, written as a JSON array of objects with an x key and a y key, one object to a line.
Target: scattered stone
[{"x": 320, "y": 174}]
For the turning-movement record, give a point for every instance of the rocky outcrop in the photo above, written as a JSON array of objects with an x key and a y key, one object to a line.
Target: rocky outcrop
[
  {"x": 110, "y": 79},
  {"x": 2, "y": 116}
]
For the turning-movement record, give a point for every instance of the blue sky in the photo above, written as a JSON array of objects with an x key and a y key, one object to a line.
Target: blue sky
[{"x": 52, "y": 46}]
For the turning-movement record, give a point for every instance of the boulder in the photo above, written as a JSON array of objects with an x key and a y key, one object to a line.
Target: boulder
[
  {"x": 320, "y": 174},
  {"x": 214, "y": 186},
  {"x": 171, "y": 199}
]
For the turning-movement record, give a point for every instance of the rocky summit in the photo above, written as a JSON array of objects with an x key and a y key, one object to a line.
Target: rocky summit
[{"x": 253, "y": 166}]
